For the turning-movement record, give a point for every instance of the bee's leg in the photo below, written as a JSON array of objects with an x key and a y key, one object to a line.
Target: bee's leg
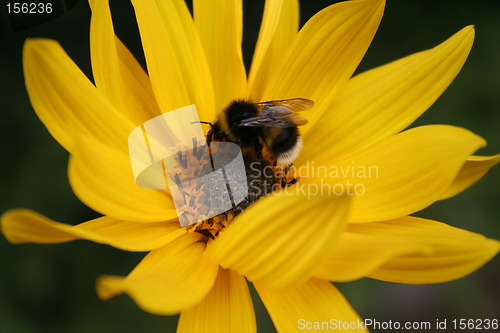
[
  {"x": 258, "y": 149},
  {"x": 209, "y": 139},
  {"x": 283, "y": 182},
  {"x": 259, "y": 155},
  {"x": 210, "y": 135},
  {"x": 205, "y": 233},
  {"x": 284, "y": 179},
  {"x": 284, "y": 175}
]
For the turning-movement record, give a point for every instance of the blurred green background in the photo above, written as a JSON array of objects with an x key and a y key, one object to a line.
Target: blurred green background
[{"x": 50, "y": 288}]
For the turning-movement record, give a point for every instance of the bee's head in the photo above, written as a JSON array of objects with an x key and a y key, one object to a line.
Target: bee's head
[
  {"x": 238, "y": 110},
  {"x": 232, "y": 116}
]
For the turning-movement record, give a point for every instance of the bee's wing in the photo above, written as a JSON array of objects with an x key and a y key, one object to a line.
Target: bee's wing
[
  {"x": 265, "y": 122},
  {"x": 280, "y": 113},
  {"x": 294, "y": 104},
  {"x": 275, "y": 116},
  {"x": 297, "y": 119}
]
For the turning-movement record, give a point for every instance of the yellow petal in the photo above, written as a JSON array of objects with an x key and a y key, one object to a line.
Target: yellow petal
[
  {"x": 108, "y": 286},
  {"x": 168, "y": 280},
  {"x": 280, "y": 23},
  {"x": 177, "y": 65},
  {"x": 279, "y": 240},
  {"x": 220, "y": 27},
  {"x": 453, "y": 253},
  {"x": 118, "y": 76},
  {"x": 66, "y": 101},
  {"x": 227, "y": 308},
  {"x": 403, "y": 173},
  {"x": 325, "y": 53},
  {"x": 27, "y": 226},
  {"x": 307, "y": 306},
  {"x": 385, "y": 100},
  {"x": 357, "y": 255},
  {"x": 102, "y": 178},
  {"x": 474, "y": 168}
]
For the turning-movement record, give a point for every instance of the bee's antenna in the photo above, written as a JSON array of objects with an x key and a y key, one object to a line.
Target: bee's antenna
[{"x": 203, "y": 122}]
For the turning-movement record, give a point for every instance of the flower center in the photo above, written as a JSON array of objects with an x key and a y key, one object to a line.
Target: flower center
[{"x": 201, "y": 199}]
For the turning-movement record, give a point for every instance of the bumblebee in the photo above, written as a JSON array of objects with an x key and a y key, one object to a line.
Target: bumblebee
[
  {"x": 266, "y": 128},
  {"x": 274, "y": 124}
]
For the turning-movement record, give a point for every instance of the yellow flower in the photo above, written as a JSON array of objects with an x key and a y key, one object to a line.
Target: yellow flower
[{"x": 290, "y": 244}]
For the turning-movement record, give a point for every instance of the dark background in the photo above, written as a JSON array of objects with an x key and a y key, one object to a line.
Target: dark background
[{"x": 51, "y": 288}]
